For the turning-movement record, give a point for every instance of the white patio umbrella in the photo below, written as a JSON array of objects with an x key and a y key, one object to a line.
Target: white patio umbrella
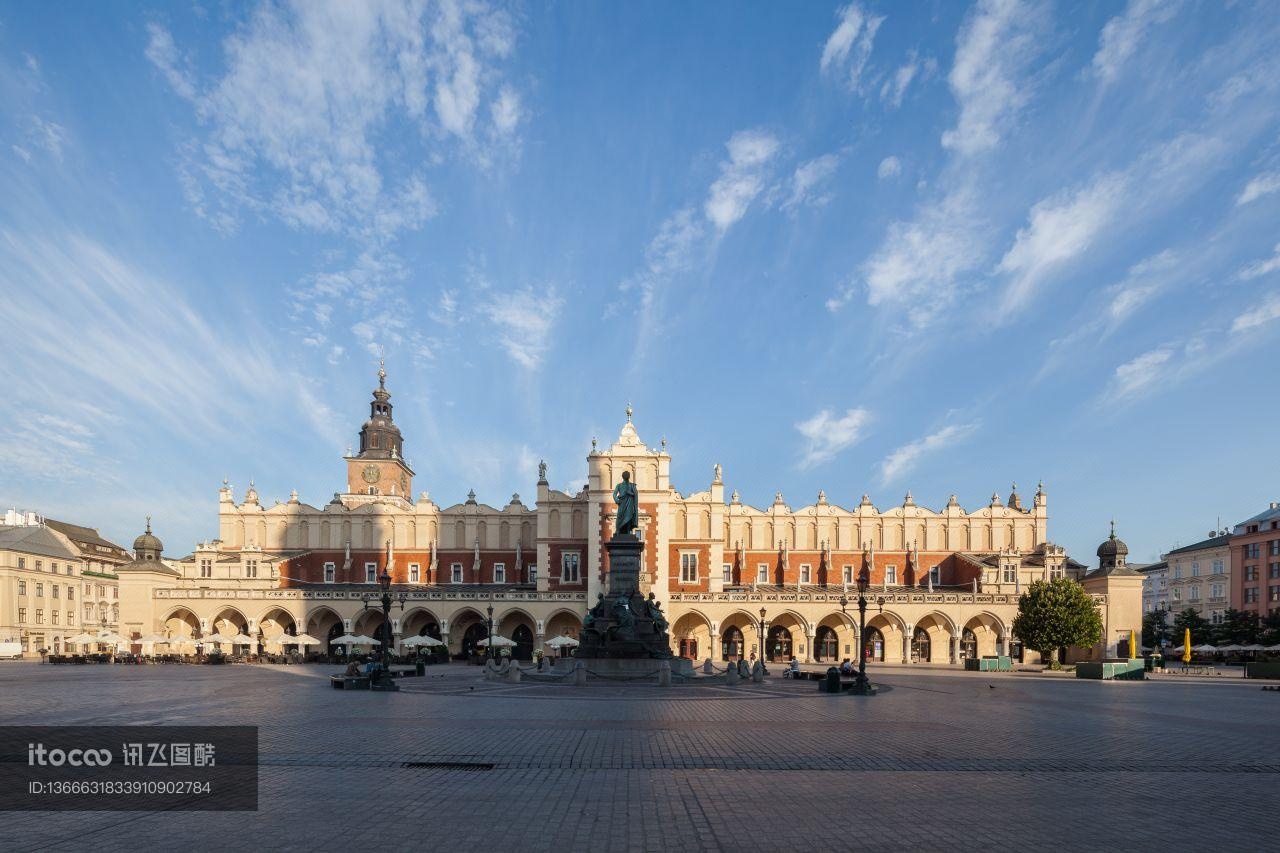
[
  {"x": 497, "y": 641},
  {"x": 1205, "y": 647},
  {"x": 157, "y": 639},
  {"x": 421, "y": 640},
  {"x": 243, "y": 640},
  {"x": 215, "y": 638},
  {"x": 1253, "y": 647},
  {"x": 110, "y": 638},
  {"x": 300, "y": 640},
  {"x": 561, "y": 641},
  {"x": 1231, "y": 648},
  {"x": 82, "y": 639},
  {"x": 1275, "y": 648},
  {"x": 354, "y": 640}
]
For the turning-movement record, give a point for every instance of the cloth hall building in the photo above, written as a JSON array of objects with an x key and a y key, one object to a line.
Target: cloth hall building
[{"x": 944, "y": 583}]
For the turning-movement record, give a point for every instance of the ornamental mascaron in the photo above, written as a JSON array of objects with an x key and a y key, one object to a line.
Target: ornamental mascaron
[{"x": 944, "y": 583}]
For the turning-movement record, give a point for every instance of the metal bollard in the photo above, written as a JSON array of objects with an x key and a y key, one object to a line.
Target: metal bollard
[
  {"x": 580, "y": 674},
  {"x": 664, "y": 674}
]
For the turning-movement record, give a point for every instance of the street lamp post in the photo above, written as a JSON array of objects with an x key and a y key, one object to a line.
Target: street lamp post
[
  {"x": 488, "y": 651},
  {"x": 763, "y": 651},
  {"x": 861, "y": 685},
  {"x": 385, "y": 582}
]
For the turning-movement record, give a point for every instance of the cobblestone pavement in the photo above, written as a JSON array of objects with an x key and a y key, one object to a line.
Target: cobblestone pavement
[{"x": 941, "y": 760}]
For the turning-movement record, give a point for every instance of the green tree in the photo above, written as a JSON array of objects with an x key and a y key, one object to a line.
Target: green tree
[
  {"x": 1155, "y": 626},
  {"x": 1054, "y": 614},
  {"x": 1239, "y": 627},
  {"x": 1270, "y": 634},
  {"x": 1201, "y": 630}
]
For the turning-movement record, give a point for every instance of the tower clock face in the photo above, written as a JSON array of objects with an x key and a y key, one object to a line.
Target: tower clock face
[{"x": 371, "y": 473}]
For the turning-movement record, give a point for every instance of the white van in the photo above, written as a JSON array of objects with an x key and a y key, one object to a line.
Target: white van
[{"x": 10, "y": 650}]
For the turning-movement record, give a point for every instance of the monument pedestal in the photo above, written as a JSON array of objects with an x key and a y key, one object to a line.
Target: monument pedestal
[{"x": 624, "y": 626}]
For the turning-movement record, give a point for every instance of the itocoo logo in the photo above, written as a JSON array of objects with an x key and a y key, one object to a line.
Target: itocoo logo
[{"x": 39, "y": 756}]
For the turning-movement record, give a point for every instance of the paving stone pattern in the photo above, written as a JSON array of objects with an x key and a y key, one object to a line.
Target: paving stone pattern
[{"x": 943, "y": 761}]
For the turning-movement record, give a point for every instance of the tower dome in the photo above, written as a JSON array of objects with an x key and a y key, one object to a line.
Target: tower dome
[
  {"x": 1113, "y": 551},
  {"x": 147, "y": 546}
]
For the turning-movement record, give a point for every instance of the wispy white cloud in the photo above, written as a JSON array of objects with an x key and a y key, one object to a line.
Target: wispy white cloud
[
  {"x": 826, "y": 434},
  {"x": 1059, "y": 229},
  {"x": 296, "y": 124},
  {"x": 137, "y": 341},
  {"x": 808, "y": 184},
  {"x": 902, "y": 460},
  {"x": 1144, "y": 280},
  {"x": 895, "y": 86},
  {"x": 996, "y": 45},
  {"x": 848, "y": 48},
  {"x": 1257, "y": 269},
  {"x": 741, "y": 177},
  {"x": 1258, "y": 186},
  {"x": 176, "y": 68},
  {"x": 890, "y": 167},
  {"x": 918, "y": 266},
  {"x": 1122, "y": 34},
  {"x": 1140, "y": 373},
  {"x": 48, "y": 135},
  {"x": 1266, "y": 311},
  {"x": 524, "y": 321}
]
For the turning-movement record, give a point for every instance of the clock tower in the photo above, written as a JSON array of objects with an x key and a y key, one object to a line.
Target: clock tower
[{"x": 379, "y": 468}]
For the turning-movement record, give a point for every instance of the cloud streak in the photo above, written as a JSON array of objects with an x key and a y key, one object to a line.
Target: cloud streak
[
  {"x": 827, "y": 434},
  {"x": 905, "y": 458}
]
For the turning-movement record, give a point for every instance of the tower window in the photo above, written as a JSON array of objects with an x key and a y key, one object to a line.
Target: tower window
[
  {"x": 414, "y": 573},
  {"x": 570, "y": 568},
  {"x": 329, "y": 570},
  {"x": 370, "y": 572}
]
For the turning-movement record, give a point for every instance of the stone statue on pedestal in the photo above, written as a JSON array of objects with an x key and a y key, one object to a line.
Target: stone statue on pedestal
[
  {"x": 624, "y": 495},
  {"x": 624, "y": 624}
]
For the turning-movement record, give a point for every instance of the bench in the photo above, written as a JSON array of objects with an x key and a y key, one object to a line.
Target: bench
[{"x": 349, "y": 682}]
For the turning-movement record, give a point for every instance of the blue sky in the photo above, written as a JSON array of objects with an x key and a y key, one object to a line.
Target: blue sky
[{"x": 870, "y": 247}]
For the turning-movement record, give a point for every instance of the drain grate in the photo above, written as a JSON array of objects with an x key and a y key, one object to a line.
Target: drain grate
[{"x": 474, "y": 766}]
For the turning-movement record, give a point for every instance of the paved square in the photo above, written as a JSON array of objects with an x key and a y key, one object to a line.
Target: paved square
[{"x": 941, "y": 760}]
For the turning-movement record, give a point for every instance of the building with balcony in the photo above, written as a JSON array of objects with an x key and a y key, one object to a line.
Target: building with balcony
[
  {"x": 40, "y": 576},
  {"x": 1199, "y": 577}
]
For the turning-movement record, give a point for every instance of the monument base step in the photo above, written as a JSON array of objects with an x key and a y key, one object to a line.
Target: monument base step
[{"x": 626, "y": 667}]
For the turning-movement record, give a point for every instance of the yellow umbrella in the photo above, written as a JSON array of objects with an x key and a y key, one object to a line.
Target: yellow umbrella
[
  {"x": 1134, "y": 652},
  {"x": 1186, "y": 647}
]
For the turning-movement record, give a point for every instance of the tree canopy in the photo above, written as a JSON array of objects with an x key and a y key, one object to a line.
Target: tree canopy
[
  {"x": 1201, "y": 630},
  {"x": 1057, "y": 613}
]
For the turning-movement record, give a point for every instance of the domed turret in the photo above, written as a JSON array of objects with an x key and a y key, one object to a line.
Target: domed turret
[
  {"x": 1112, "y": 553},
  {"x": 147, "y": 546}
]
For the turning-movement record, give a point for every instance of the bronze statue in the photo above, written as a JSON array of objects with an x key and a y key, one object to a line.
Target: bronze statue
[
  {"x": 653, "y": 609},
  {"x": 624, "y": 495}
]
